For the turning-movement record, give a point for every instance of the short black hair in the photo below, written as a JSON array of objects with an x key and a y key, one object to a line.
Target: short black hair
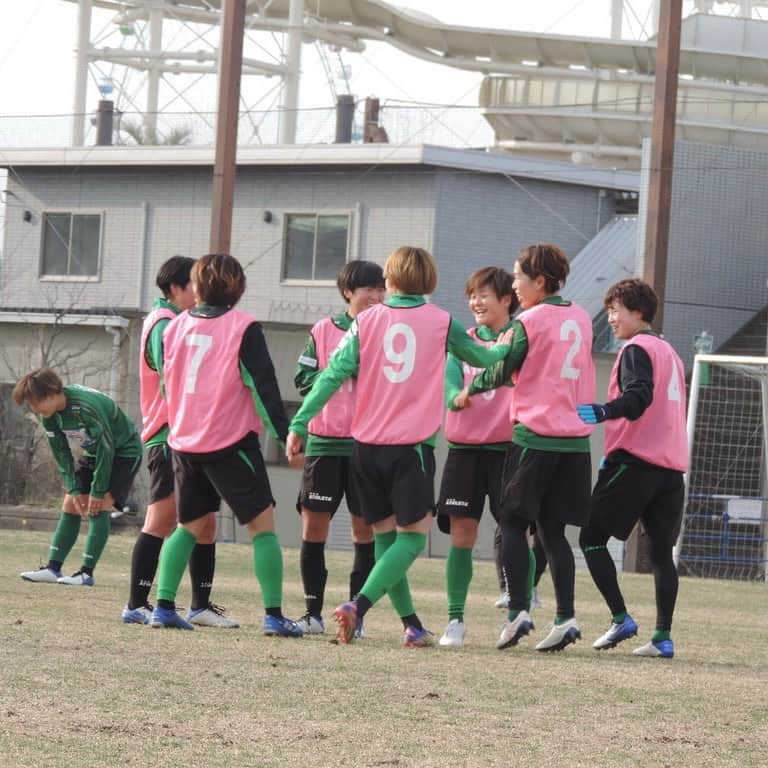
[
  {"x": 175, "y": 271},
  {"x": 636, "y": 295},
  {"x": 359, "y": 274}
]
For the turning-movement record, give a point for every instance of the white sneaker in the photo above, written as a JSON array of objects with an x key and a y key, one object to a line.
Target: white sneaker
[
  {"x": 535, "y": 600},
  {"x": 513, "y": 631},
  {"x": 503, "y": 601},
  {"x": 454, "y": 634},
  {"x": 78, "y": 579},
  {"x": 559, "y": 636},
  {"x": 312, "y": 625},
  {"x": 211, "y": 616},
  {"x": 42, "y": 576}
]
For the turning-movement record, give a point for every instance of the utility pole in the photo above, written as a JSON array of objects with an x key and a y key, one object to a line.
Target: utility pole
[
  {"x": 230, "y": 71},
  {"x": 662, "y": 151}
]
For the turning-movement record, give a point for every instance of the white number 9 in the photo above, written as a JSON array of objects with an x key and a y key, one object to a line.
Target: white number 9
[{"x": 406, "y": 358}]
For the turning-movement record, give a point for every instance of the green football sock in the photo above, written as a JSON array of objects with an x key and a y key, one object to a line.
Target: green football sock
[
  {"x": 400, "y": 593},
  {"x": 531, "y": 579},
  {"x": 174, "y": 557},
  {"x": 98, "y": 533},
  {"x": 661, "y": 634},
  {"x": 64, "y": 537},
  {"x": 391, "y": 569},
  {"x": 268, "y": 565},
  {"x": 619, "y": 617},
  {"x": 458, "y": 575},
  {"x": 562, "y": 619}
]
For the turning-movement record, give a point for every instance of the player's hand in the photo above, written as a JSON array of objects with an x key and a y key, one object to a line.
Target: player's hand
[
  {"x": 292, "y": 447},
  {"x": 296, "y": 461},
  {"x": 94, "y": 506},
  {"x": 462, "y": 401},
  {"x": 507, "y": 336},
  {"x": 591, "y": 414},
  {"x": 81, "y": 504}
]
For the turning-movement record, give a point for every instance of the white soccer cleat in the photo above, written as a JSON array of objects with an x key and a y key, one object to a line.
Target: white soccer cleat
[
  {"x": 559, "y": 636},
  {"x": 42, "y": 576},
  {"x": 661, "y": 649},
  {"x": 453, "y": 636},
  {"x": 140, "y": 615},
  {"x": 211, "y": 616},
  {"x": 312, "y": 625},
  {"x": 78, "y": 579},
  {"x": 503, "y": 601},
  {"x": 513, "y": 631}
]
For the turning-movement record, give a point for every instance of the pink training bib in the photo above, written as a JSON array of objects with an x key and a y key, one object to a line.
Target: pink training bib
[
  {"x": 557, "y": 374},
  {"x": 487, "y": 418},
  {"x": 399, "y": 387},
  {"x": 659, "y": 436},
  {"x": 335, "y": 420},
  {"x": 154, "y": 410},
  {"x": 209, "y": 405}
]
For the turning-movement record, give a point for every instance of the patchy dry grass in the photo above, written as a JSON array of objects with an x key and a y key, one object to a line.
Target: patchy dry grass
[{"x": 77, "y": 687}]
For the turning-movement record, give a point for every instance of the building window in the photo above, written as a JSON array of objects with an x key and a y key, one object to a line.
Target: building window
[
  {"x": 315, "y": 245},
  {"x": 273, "y": 452},
  {"x": 71, "y": 245}
]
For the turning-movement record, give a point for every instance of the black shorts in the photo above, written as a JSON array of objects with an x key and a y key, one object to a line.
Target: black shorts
[
  {"x": 394, "y": 480},
  {"x": 469, "y": 475},
  {"x": 324, "y": 482},
  {"x": 160, "y": 466},
  {"x": 240, "y": 478},
  {"x": 628, "y": 492},
  {"x": 124, "y": 469},
  {"x": 546, "y": 484}
]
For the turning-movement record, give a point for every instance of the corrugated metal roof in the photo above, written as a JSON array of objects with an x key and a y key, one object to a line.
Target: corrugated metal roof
[{"x": 606, "y": 259}]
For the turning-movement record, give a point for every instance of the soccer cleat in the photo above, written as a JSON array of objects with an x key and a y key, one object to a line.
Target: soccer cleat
[
  {"x": 616, "y": 633},
  {"x": 359, "y": 631},
  {"x": 311, "y": 625},
  {"x": 453, "y": 636},
  {"x": 281, "y": 627},
  {"x": 660, "y": 649},
  {"x": 77, "y": 579},
  {"x": 503, "y": 601},
  {"x": 168, "y": 619},
  {"x": 211, "y": 616},
  {"x": 513, "y": 631},
  {"x": 141, "y": 615},
  {"x": 559, "y": 636},
  {"x": 536, "y": 600},
  {"x": 417, "y": 638},
  {"x": 346, "y": 617},
  {"x": 42, "y": 576}
]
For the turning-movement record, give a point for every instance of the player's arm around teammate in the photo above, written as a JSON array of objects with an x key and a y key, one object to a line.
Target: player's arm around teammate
[
  {"x": 221, "y": 389},
  {"x": 103, "y": 476},
  {"x": 646, "y": 452},
  {"x": 326, "y": 476}
]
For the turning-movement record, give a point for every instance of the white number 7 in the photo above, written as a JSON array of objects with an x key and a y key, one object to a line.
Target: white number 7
[{"x": 202, "y": 344}]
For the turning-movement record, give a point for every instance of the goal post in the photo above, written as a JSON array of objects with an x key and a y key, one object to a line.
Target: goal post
[{"x": 724, "y": 531}]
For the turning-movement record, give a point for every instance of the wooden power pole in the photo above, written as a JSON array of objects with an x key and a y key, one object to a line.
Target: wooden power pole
[
  {"x": 662, "y": 151},
  {"x": 230, "y": 71}
]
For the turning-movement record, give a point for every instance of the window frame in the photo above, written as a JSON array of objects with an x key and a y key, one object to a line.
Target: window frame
[
  {"x": 304, "y": 281},
  {"x": 68, "y": 278}
]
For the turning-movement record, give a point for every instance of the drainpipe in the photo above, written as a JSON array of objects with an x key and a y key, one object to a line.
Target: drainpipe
[{"x": 114, "y": 373}]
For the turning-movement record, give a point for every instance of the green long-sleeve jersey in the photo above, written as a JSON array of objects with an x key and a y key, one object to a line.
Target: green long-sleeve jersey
[{"x": 103, "y": 431}]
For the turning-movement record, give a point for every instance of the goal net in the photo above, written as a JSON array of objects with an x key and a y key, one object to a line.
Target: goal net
[{"x": 725, "y": 523}]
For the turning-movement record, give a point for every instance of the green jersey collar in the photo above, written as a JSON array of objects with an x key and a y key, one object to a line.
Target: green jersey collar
[
  {"x": 558, "y": 301},
  {"x": 342, "y": 321},
  {"x": 163, "y": 303},
  {"x": 207, "y": 310},
  {"x": 484, "y": 333},
  {"x": 648, "y": 332},
  {"x": 405, "y": 300}
]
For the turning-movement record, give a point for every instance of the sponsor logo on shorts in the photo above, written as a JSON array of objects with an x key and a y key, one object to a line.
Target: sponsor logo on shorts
[
  {"x": 319, "y": 497},
  {"x": 456, "y": 503}
]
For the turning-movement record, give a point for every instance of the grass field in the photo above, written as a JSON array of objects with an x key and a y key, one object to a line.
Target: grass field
[{"x": 78, "y": 688}]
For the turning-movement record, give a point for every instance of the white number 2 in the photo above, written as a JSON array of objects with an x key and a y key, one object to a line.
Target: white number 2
[
  {"x": 674, "y": 391},
  {"x": 568, "y": 329},
  {"x": 406, "y": 358},
  {"x": 202, "y": 344}
]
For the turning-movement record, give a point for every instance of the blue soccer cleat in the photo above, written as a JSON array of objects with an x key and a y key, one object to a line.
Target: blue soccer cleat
[
  {"x": 616, "y": 633},
  {"x": 660, "y": 649},
  {"x": 281, "y": 627},
  {"x": 140, "y": 615},
  {"x": 417, "y": 638},
  {"x": 168, "y": 619}
]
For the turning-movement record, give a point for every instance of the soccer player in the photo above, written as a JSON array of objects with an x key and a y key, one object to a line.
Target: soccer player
[
  {"x": 547, "y": 472},
  {"x": 646, "y": 454},
  {"x": 220, "y": 387},
  {"x": 478, "y": 436},
  {"x": 160, "y": 520},
  {"x": 102, "y": 478},
  {"x": 397, "y": 350},
  {"x": 326, "y": 479}
]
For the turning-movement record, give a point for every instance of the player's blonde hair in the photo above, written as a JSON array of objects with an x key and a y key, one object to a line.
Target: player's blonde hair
[
  {"x": 411, "y": 270},
  {"x": 219, "y": 280}
]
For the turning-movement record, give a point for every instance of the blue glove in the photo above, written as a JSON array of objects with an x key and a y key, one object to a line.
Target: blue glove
[{"x": 591, "y": 414}]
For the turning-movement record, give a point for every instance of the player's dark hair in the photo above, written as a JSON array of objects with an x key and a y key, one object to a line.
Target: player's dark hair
[
  {"x": 495, "y": 278},
  {"x": 547, "y": 261},
  {"x": 636, "y": 295},
  {"x": 36, "y": 386},
  {"x": 175, "y": 271},
  {"x": 219, "y": 280},
  {"x": 359, "y": 274}
]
